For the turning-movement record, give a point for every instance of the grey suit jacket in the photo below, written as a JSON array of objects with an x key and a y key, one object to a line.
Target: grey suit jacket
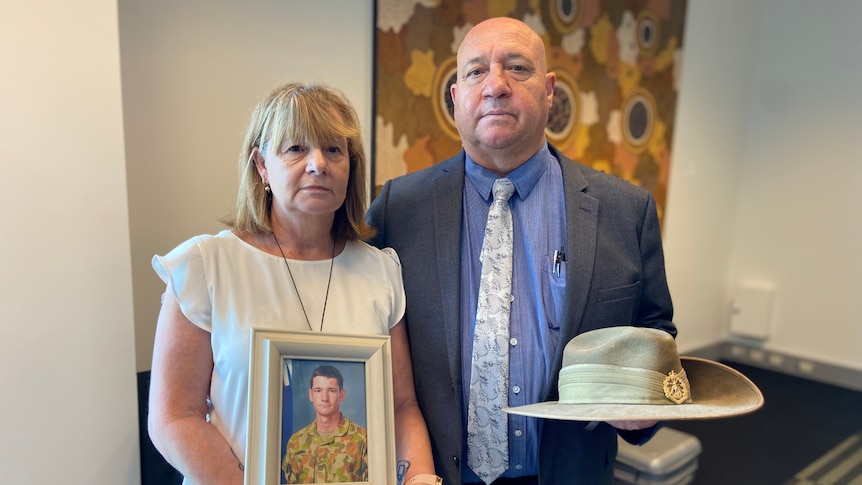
[{"x": 615, "y": 276}]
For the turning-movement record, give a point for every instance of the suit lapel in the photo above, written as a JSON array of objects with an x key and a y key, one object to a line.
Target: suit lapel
[
  {"x": 447, "y": 220},
  {"x": 581, "y": 226}
]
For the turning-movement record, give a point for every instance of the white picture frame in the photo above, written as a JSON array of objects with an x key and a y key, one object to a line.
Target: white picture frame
[{"x": 269, "y": 349}]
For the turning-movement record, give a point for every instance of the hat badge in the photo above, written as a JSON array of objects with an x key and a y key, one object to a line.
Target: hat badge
[{"x": 676, "y": 387}]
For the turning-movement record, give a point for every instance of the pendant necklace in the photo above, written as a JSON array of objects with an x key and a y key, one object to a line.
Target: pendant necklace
[{"x": 328, "y": 282}]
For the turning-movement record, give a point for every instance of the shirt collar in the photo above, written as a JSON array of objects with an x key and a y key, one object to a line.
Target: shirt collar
[{"x": 524, "y": 177}]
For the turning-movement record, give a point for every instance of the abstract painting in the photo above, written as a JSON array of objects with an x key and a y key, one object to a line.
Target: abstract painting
[{"x": 617, "y": 64}]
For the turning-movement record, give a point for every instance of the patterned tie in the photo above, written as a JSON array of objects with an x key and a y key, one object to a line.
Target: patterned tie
[{"x": 487, "y": 426}]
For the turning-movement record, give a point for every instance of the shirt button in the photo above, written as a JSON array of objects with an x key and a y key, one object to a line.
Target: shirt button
[
  {"x": 518, "y": 432},
  {"x": 513, "y": 341},
  {"x": 516, "y": 389},
  {"x": 518, "y": 467}
]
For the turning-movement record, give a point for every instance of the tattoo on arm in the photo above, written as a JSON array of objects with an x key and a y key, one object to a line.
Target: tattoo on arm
[{"x": 403, "y": 466}]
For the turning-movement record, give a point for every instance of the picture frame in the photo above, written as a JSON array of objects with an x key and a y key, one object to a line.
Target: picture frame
[{"x": 268, "y": 353}]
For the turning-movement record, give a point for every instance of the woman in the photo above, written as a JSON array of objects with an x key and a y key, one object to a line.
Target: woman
[{"x": 293, "y": 259}]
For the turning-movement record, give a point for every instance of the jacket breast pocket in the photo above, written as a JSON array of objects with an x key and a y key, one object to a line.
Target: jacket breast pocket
[{"x": 617, "y": 306}]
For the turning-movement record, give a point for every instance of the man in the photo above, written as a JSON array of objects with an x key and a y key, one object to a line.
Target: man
[
  {"x": 332, "y": 449},
  {"x": 586, "y": 254}
]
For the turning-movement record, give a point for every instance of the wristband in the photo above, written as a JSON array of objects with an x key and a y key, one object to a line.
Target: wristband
[{"x": 425, "y": 478}]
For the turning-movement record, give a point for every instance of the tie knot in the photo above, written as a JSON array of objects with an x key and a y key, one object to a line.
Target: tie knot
[{"x": 502, "y": 189}]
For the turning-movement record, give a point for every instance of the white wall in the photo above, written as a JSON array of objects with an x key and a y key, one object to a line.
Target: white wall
[
  {"x": 798, "y": 224},
  {"x": 710, "y": 127},
  {"x": 191, "y": 76},
  {"x": 766, "y": 178},
  {"x": 68, "y": 411}
]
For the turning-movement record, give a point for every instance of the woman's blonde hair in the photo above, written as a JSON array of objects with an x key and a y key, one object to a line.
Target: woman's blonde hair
[{"x": 301, "y": 114}]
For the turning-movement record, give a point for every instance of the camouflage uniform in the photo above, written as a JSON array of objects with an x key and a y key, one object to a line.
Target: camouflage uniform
[{"x": 340, "y": 458}]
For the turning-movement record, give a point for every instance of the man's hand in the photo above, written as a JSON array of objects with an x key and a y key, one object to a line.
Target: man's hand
[{"x": 632, "y": 425}]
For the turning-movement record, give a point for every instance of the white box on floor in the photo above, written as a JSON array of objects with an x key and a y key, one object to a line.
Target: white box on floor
[{"x": 669, "y": 458}]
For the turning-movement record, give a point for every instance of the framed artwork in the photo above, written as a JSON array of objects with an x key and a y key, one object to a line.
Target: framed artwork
[
  {"x": 295, "y": 380},
  {"x": 616, "y": 63}
]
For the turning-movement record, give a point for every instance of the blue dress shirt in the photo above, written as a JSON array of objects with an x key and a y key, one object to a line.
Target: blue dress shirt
[{"x": 538, "y": 215}]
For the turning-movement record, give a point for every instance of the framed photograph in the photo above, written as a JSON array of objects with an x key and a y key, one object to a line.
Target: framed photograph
[{"x": 298, "y": 380}]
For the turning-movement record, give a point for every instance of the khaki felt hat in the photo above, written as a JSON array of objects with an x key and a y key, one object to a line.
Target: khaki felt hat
[{"x": 633, "y": 373}]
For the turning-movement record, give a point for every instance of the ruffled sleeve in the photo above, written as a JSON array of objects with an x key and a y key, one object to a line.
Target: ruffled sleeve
[
  {"x": 184, "y": 269},
  {"x": 393, "y": 273}
]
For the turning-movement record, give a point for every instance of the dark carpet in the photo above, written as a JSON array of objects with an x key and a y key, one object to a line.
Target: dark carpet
[{"x": 800, "y": 421}]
